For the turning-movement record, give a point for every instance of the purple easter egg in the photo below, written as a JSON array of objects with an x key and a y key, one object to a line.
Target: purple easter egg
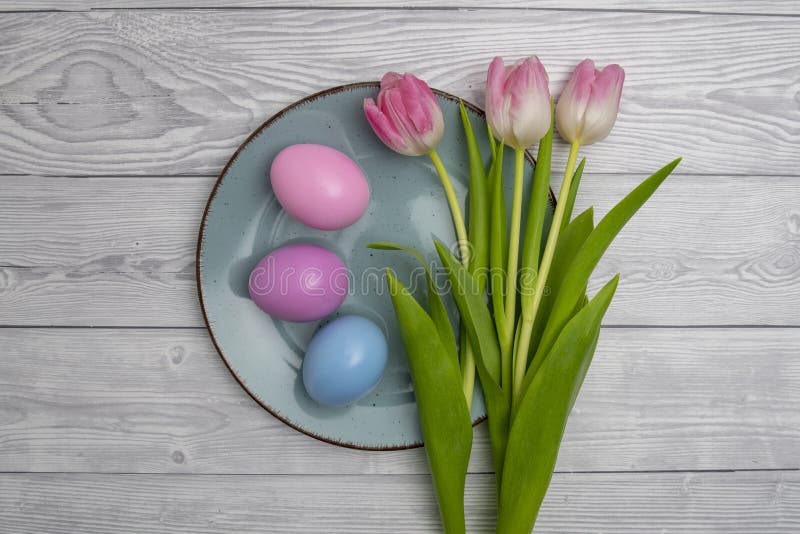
[{"x": 299, "y": 283}]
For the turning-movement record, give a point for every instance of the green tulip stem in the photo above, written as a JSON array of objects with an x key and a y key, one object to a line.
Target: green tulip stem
[
  {"x": 468, "y": 360},
  {"x": 529, "y": 315},
  {"x": 468, "y": 371},
  {"x": 513, "y": 248},
  {"x": 455, "y": 207}
]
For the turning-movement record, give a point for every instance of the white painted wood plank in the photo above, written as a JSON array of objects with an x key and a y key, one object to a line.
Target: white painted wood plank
[
  {"x": 165, "y": 92},
  {"x": 579, "y": 503},
  {"x": 151, "y": 401},
  {"x": 102, "y": 224},
  {"x": 120, "y": 251},
  {"x": 771, "y": 7}
]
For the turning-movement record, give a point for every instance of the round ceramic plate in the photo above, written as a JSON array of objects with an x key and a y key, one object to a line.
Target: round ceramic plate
[{"x": 243, "y": 222}]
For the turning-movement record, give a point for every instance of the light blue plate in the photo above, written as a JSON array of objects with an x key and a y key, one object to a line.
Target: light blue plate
[{"x": 243, "y": 222}]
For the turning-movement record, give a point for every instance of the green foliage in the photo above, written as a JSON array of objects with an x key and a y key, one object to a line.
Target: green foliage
[
  {"x": 478, "y": 227},
  {"x": 498, "y": 246},
  {"x": 561, "y": 333},
  {"x": 576, "y": 277},
  {"x": 534, "y": 227},
  {"x": 435, "y": 303},
  {"x": 480, "y": 329},
  {"x": 538, "y": 425},
  {"x": 569, "y": 243},
  {"x": 443, "y": 414},
  {"x": 573, "y": 193}
]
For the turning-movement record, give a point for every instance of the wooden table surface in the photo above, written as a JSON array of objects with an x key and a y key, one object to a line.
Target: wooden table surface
[{"x": 117, "y": 415}]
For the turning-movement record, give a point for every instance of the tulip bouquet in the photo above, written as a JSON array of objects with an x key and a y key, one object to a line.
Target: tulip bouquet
[{"x": 528, "y": 327}]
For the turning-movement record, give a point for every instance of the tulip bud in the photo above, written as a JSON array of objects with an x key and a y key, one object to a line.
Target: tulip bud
[
  {"x": 588, "y": 106},
  {"x": 407, "y": 116},
  {"x": 518, "y": 101}
]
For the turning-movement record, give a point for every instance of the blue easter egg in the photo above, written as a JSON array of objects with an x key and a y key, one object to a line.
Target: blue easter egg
[{"x": 344, "y": 361}]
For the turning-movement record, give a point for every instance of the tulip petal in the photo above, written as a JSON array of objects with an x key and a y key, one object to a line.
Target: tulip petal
[
  {"x": 582, "y": 79},
  {"x": 407, "y": 116},
  {"x": 574, "y": 98},
  {"x": 383, "y": 127},
  {"x": 529, "y": 110},
  {"x": 601, "y": 113},
  {"x": 495, "y": 85},
  {"x": 396, "y": 110},
  {"x": 390, "y": 80},
  {"x": 425, "y": 94},
  {"x": 495, "y": 98},
  {"x": 518, "y": 101},
  {"x": 417, "y": 104}
]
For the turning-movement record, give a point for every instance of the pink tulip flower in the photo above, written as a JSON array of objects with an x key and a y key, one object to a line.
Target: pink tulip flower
[
  {"x": 407, "y": 116},
  {"x": 588, "y": 106},
  {"x": 518, "y": 101}
]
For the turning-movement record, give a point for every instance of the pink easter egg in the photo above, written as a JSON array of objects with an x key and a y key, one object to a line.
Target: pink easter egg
[{"x": 319, "y": 186}]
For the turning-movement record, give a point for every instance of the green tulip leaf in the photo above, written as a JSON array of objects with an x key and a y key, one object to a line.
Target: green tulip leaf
[
  {"x": 435, "y": 303},
  {"x": 480, "y": 329},
  {"x": 569, "y": 243},
  {"x": 534, "y": 227},
  {"x": 492, "y": 141},
  {"x": 539, "y": 423},
  {"x": 472, "y": 307},
  {"x": 592, "y": 347},
  {"x": 498, "y": 244},
  {"x": 575, "y": 279},
  {"x": 443, "y": 414},
  {"x": 573, "y": 193},
  {"x": 478, "y": 201}
]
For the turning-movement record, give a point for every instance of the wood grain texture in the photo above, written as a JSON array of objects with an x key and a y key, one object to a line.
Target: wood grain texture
[
  {"x": 153, "y": 401},
  {"x": 768, "y": 7},
  {"x": 579, "y": 503},
  {"x": 120, "y": 251},
  {"x": 166, "y": 92},
  {"x": 126, "y": 429}
]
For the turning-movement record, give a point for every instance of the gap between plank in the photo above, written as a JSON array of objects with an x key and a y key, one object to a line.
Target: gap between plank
[
  {"x": 606, "y": 326},
  {"x": 409, "y": 8},
  {"x": 296, "y": 475},
  {"x": 206, "y": 176}
]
